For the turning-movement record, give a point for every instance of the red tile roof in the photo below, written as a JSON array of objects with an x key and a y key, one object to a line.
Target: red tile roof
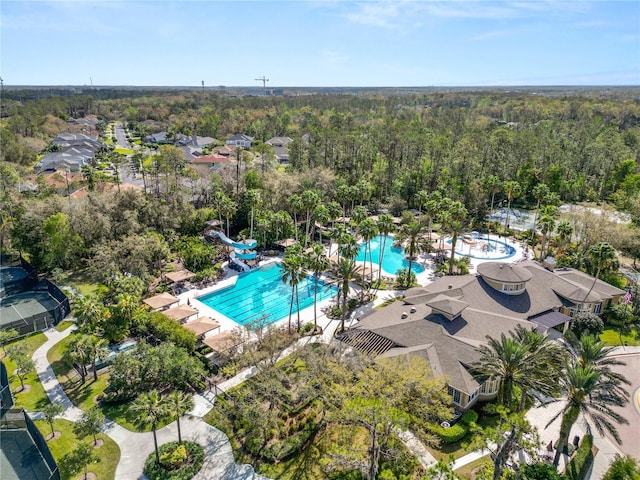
[{"x": 214, "y": 158}]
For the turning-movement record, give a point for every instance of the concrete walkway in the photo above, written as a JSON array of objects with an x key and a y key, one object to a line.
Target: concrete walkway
[
  {"x": 135, "y": 447},
  {"x": 219, "y": 461}
]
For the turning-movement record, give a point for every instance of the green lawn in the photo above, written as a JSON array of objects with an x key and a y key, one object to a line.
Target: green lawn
[
  {"x": 62, "y": 326},
  {"x": 84, "y": 395},
  {"x": 109, "y": 452},
  {"x": 35, "y": 399},
  {"x": 614, "y": 336},
  {"x": 466, "y": 471},
  {"x": 78, "y": 280},
  {"x": 123, "y": 151}
]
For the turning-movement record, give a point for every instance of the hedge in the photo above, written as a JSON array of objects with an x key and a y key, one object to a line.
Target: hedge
[
  {"x": 451, "y": 434},
  {"x": 470, "y": 416},
  {"x": 581, "y": 461}
]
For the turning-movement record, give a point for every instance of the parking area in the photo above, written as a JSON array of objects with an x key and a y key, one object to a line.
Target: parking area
[{"x": 629, "y": 433}]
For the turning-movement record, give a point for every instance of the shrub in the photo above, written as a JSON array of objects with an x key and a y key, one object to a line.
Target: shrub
[
  {"x": 192, "y": 456},
  {"x": 307, "y": 327},
  {"x": 451, "y": 434},
  {"x": 169, "y": 330},
  {"x": 470, "y": 416},
  {"x": 174, "y": 459},
  {"x": 581, "y": 461}
]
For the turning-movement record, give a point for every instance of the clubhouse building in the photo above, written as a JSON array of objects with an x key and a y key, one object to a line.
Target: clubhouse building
[{"x": 446, "y": 321}]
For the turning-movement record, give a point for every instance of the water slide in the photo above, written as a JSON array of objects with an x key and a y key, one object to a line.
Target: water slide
[{"x": 242, "y": 250}]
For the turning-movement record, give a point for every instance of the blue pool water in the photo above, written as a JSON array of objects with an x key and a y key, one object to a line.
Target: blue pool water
[
  {"x": 261, "y": 292},
  {"x": 393, "y": 259},
  {"x": 484, "y": 248}
]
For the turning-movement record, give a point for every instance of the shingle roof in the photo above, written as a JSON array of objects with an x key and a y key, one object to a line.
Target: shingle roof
[
  {"x": 447, "y": 305},
  {"x": 504, "y": 272},
  {"x": 416, "y": 326}
]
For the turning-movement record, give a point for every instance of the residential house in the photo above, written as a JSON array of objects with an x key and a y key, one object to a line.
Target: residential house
[
  {"x": 446, "y": 321},
  {"x": 240, "y": 140},
  {"x": 158, "y": 138},
  {"x": 201, "y": 142},
  {"x": 212, "y": 162},
  {"x": 225, "y": 150},
  {"x": 280, "y": 148},
  {"x": 74, "y": 151}
]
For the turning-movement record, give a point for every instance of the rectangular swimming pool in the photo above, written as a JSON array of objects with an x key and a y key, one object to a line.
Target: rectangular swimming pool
[{"x": 260, "y": 293}]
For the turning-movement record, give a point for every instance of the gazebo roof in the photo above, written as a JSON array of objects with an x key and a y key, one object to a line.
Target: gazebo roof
[
  {"x": 161, "y": 300},
  {"x": 181, "y": 313},
  {"x": 287, "y": 242},
  {"x": 201, "y": 325},
  {"x": 223, "y": 341},
  {"x": 179, "y": 276}
]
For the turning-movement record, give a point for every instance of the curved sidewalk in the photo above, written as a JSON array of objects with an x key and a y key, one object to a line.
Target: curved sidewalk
[{"x": 135, "y": 447}]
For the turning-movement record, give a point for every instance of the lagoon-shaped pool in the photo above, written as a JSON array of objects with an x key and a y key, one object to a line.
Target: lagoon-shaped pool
[{"x": 393, "y": 260}]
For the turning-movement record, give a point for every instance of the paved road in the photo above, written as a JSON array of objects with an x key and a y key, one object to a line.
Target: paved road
[
  {"x": 629, "y": 433},
  {"x": 121, "y": 138}
]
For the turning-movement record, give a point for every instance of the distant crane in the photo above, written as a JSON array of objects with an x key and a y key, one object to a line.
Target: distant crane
[{"x": 264, "y": 81}]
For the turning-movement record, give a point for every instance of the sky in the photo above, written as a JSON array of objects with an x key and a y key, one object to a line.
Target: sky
[{"x": 320, "y": 43}]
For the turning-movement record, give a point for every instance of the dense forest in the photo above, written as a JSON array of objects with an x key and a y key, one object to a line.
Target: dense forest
[{"x": 382, "y": 151}]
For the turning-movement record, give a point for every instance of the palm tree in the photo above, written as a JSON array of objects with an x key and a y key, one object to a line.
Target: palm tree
[
  {"x": 337, "y": 233},
  {"x": 525, "y": 359},
  {"x": 179, "y": 404},
  {"x": 97, "y": 349},
  {"x": 546, "y": 223},
  {"x": 291, "y": 272},
  {"x": 506, "y": 359},
  {"x": 368, "y": 231},
  {"x": 545, "y": 357},
  {"x": 409, "y": 235},
  {"x": 421, "y": 198},
  {"x": 457, "y": 214},
  {"x": 252, "y": 198},
  {"x": 317, "y": 262},
  {"x": 310, "y": 200},
  {"x": 86, "y": 310},
  {"x": 513, "y": 190},
  {"x": 335, "y": 210},
  {"x": 430, "y": 211},
  {"x": 78, "y": 349},
  {"x": 228, "y": 210},
  {"x": 539, "y": 192},
  {"x": 219, "y": 199},
  {"x": 349, "y": 247},
  {"x": 385, "y": 227},
  {"x": 343, "y": 273},
  {"x": 295, "y": 205},
  {"x": 592, "y": 390},
  {"x": 150, "y": 410},
  {"x": 564, "y": 230},
  {"x": 602, "y": 256},
  {"x": 493, "y": 186},
  {"x": 455, "y": 227},
  {"x": 321, "y": 216},
  {"x": 358, "y": 215}
]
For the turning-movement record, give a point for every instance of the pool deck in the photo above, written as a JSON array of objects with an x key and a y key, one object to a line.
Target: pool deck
[
  {"x": 226, "y": 324},
  {"x": 306, "y": 315},
  {"x": 522, "y": 252}
]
